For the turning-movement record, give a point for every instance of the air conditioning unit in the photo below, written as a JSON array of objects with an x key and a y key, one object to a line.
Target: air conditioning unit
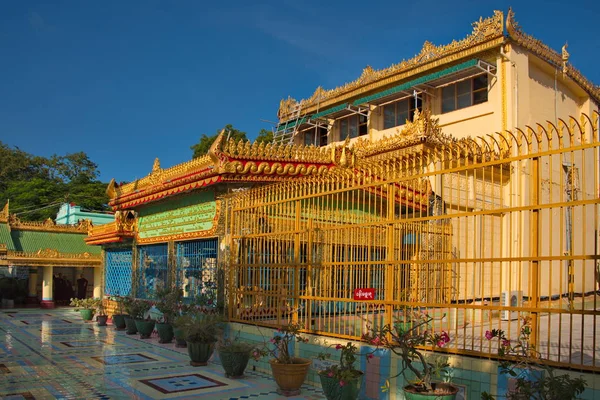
[{"x": 514, "y": 298}]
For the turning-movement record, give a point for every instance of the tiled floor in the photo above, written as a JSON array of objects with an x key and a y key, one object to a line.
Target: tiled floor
[{"x": 53, "y": 354}]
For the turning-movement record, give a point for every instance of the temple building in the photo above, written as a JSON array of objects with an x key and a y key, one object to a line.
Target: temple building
[
  {"x": 496, "y": 79},
  {"x": 464, "y": 180},
  {"x": 49, "y": 258}
]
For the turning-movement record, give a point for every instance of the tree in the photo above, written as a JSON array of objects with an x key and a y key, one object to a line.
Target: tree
[
  {"x": 265, "y": 136},
  {"x": 35, "y": 199},
  {"x": 16, "y": 164},
  {"x": 37, "y": 185},
  {"x": 202, "y": 147},
  {"x": 73, "y": 167}
]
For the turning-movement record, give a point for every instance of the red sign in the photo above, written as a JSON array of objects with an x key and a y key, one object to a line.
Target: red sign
[{"x": 364, "y": 294}]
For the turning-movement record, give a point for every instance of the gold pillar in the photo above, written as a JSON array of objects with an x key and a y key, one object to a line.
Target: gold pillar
[
  {"x": 97, "y": 283},
  {"x": 47, "y": 288}
]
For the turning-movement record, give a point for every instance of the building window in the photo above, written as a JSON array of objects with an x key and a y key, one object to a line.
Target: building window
[
  {"x": 353, "y": 126},
  {"x": 316, "y": 136},
  {"x": 396, "y": 114},
  {"x": 465, "y": 93}
]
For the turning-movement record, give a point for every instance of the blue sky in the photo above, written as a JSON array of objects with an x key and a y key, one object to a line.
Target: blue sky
[{"x": 127, "y": 81}]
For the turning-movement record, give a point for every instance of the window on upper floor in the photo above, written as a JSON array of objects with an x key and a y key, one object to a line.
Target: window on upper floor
[
  {"x": 396, "y": 114},
  {"x": 353, "y": 126},
  {"x": 316, "y": 136},
  {"x": 465, "y": 93}
]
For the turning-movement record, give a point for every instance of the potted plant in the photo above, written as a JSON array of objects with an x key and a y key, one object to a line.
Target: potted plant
[
  {"x": 406, "y": 345},
  {"x": 235, "y": 354},
  {"x": 201, "y": 334},
  {"x": 86, "y": 307},
  {"x": 343, "y": 381},
  {"x": 144, "y": 325},
  {"x": 168, "y": 304},
  {"x": 179, "y": 322},
  {"x": 129, "y": 306},
  {"x": 101, "y": 316},
  {"x": 288, "y": 371},
  {"x": 534, "y": 379},
  {"x": 118, "y": 319}
]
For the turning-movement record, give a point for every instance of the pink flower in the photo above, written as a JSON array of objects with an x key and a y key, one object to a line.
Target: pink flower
[
  {"x": 376, "y": 341},
  {"x": 370, "y": 356},
  {"x": 441, "y": 343},
  {"x": 342, "y": 383},
  {"x": 272, "y": 340},
  {"x": 338, "y": 346},
  {"x": 488, "y": 335},
  {"x": 330, "y": 374},
  {"x": 445, "y": 337},
  {"x": 506, "y": 343}
]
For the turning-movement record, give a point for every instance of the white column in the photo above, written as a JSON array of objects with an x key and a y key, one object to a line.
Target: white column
[
  {"x": 47, "y": 290},
  {"x": 98, "y": 282}
]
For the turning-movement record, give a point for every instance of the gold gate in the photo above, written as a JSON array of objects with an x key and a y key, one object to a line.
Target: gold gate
[{"x": 475, "y": 232}]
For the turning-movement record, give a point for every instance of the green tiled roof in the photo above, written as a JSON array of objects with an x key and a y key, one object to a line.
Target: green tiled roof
[
  {"x": 5, "y": 236},
  {"x": 32, "y": 241},
  {"x": 418, "y": 81}
]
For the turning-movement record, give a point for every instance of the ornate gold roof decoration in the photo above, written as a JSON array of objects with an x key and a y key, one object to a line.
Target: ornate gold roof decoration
[
  {"x": 565, "y": 58},
  {"x": 484, "y": 30},
  {"x": 546, "y": 53},
  {"x": 4, "y": 214},
  {"x": 225, "y": 157},
  {"x": 48, "y": 225},
  {"x": 422, "y": 131},
  {"x": 123, "y": 227},
  {"x": 156, "y": 165},
  {"x": 51, "y": 257}
]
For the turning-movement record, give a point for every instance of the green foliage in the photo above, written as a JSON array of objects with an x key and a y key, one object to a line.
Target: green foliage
[
  {"x": 282, "y": 340},
  {"x": 264, "y": 136},
  {"x": 545, "y": 385},
  {"x": 406, "y": 343},
  {"x": 88, "y": 304},
  {"x": 202, "y": 147},
  {"x": 346, "y": 371},
  {"x": 202, "y": 328},
  {"x": 136, "y": 308},
  {"x": 120, "y": 300},
  {"x": 32, "y": 182},
  {"x": 168, "y": 302}
]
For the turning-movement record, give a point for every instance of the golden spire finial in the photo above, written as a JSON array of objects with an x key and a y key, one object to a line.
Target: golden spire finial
[
  {"x": 216, "y": 147},
  {"x": 4, "y": 214},
  {"x": 156, "y": 166},
  {"x": 110, "y": 189},
  {"x": 565, "y": 58}
]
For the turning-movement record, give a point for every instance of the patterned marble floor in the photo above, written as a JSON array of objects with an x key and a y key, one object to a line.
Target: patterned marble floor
[{"x": 53, "y": 354}]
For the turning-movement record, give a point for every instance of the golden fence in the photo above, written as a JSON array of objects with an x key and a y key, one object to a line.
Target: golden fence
[{"x": 477, "y": 232}]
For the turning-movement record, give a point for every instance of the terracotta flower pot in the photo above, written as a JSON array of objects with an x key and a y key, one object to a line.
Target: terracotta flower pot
[
  {"x": 441, "y": 391},
  {"x": 290, "y": 377}
]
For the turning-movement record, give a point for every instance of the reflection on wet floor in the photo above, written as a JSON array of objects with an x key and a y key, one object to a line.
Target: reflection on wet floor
[{"x": 53, "y": 354}]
